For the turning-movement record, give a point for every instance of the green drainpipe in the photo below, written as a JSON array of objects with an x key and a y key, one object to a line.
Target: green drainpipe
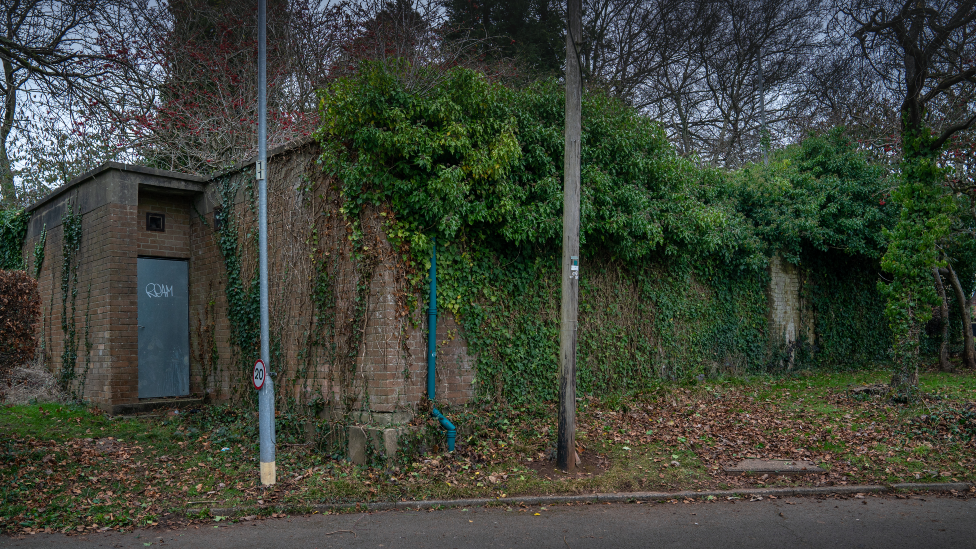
[{"x": 432, "y": 350}]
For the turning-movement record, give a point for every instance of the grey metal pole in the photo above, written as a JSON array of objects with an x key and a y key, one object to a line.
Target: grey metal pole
[
  {"x": 266, "y": 394},
  {"x": 566, "y": 440}
]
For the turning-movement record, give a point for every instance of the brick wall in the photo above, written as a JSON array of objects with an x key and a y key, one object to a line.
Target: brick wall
[
  {"x": 385, "y": 370},
  {"x": 106, "y": 370},
  {"x": 210, "y": 351},
  {"x": 174, "y": 242},
  {"x": 120, "y": 270},
  {"x": 788, "y": 322},
  {"x": 395, "y": 355}
]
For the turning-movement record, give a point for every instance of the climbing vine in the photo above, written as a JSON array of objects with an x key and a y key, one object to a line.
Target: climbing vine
[
  {"x": 243, "y": 298},
  {"x": 673, "y": 276},
  {"x": 207, "y": 352},
  {"x": 39, "y": 249},
  {"x": 851, "y": 330},
  {"x": 926, "y": 216},
  {"x": 71, "y": 234},
  {"x": 320, "y": 338},
  {"x": 83, "y": 378},
  {"x": 13, "y": 231},
  {"x": 821, "y": 205}
]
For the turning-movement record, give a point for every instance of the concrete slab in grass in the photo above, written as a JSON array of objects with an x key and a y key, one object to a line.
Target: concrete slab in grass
[{"x": 774, "y": 467}]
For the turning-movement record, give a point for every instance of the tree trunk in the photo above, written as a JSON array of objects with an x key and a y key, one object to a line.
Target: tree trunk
[
  {"x": 904, "y": 380},
  {"x": 8, "y": 192},
  {"x": 944, "y": 364},
  {"x": 969, "y": 355}
]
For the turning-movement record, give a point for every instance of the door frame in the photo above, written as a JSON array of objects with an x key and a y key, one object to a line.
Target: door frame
[{"x": 139, "y": 288}]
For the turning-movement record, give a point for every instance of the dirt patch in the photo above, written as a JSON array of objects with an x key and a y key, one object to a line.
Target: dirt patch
[
  {"x": 591, "y": 465},
  {"x": 106, "y": 445}
]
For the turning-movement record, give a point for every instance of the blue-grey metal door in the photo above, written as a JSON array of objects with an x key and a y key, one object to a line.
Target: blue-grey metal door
[{"x": 164, "y": 330}]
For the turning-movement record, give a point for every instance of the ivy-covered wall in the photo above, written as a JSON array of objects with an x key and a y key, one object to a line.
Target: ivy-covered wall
[
  {"x": 675, "y": 280},
  {"x": 343, "y": 339},
  {"x": 348, "y": 304},
  {"x": 675, "y": 268}
]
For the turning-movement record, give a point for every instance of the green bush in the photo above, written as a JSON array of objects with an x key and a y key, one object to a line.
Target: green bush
[
  {"x": 673, "y": 280},
  {"x": 20, "y": 309},
  {"x": 13, "y": 231}
]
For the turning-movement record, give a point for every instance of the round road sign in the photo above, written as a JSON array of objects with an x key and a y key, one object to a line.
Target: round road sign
[{"x": 260, "y": 372}]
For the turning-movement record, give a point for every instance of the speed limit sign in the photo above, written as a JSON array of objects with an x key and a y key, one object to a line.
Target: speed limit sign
[{"x": 260, "y": 372}]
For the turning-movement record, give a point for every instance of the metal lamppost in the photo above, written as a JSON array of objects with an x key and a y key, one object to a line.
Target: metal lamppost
[{"x": 266, "y": 392}]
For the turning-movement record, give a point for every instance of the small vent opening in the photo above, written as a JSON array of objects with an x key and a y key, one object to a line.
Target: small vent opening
[
  {"x": 218, "y": 218},
  {"x": 155, "y": 222}
]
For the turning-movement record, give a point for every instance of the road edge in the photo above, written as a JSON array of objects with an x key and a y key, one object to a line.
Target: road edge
[{"x": 620, "y": 497}]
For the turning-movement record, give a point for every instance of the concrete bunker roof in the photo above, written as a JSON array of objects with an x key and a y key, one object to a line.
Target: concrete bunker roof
[
  {"x": 164, "y": 179},
  {"x": 155, "y": 178}
]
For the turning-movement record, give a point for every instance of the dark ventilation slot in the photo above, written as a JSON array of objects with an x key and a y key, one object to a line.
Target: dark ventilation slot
[
  {"x": 155, "y": 222},
  {"x": 218, "y": 218}
]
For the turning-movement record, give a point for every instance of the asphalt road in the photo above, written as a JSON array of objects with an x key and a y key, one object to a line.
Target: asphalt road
[{"x": 883, "y": 522}]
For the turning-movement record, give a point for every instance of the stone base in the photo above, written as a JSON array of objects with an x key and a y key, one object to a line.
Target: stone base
[
  {"x": 755, "y": 467},
  {"x": 376, "y": 419},
  {"x": 147, "y": 405},
  {"x": 382, "y": 442}
]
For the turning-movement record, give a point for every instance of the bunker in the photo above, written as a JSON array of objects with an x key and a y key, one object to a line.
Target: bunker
[{"x": 145, "y": 304}]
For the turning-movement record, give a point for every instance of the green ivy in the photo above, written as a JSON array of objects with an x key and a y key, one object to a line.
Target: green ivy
[
  {"x": 673, "y": 273},
  {"x": 478, "y": 166},
  {"x": 851, "y": 330},
  {"x": 471, "y": 156},
  {"x": 243, "y": 297},
  {"x": 71, "y": 233},
  {"x": 39, "y": 249},
  {"x": 819, "y": 195},
  {"x": 926, "y": 216},
  {"x": 13, "y": 232},
  {"x": 823, "y": 206}
]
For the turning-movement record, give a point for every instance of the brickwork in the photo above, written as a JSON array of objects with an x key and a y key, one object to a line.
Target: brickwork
[
  {"x": 787, "y": 321},
  {"x": 336, "y": 338},
  {"x": 174, "y": 242},
  {"x": 387, "y": 370},
  {"x": 395, "y": 354},
  {"x": 210, "y": 351},
  {"x": 123, "y": 338},
  {"x": 373, "y": 362},
  {"x": 103, "y": 314}
]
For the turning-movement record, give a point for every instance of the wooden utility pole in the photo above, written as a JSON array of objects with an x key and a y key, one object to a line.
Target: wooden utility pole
[{"x": 566, "y": 445}]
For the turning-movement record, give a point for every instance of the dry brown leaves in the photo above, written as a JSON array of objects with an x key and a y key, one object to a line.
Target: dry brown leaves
[{"x": 725, "y": 428}]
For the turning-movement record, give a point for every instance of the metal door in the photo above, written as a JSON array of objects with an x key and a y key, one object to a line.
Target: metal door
[{"x": 164, "y": 329}]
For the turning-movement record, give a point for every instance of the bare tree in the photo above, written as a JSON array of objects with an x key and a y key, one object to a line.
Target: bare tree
[
  {"x": 714, "y": 71},
  {"x": 753, "y": 73},
  {"x": 625, "y": 43},
  {"x": 841, "y": 89},
  {"x": 676, "y": 93},
  {"x": 60, "y": 55},
  {"x": 204, "y": 118},
  {"x": 924, "y": 53}
]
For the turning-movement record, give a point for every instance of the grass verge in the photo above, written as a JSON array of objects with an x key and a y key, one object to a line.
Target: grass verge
[{"x": 69, "y": 468}]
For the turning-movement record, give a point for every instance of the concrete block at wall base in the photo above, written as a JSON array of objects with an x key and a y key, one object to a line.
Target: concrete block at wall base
[
  {"x": 376, "y": 440},
  {"x": 378, "y": 419}
]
